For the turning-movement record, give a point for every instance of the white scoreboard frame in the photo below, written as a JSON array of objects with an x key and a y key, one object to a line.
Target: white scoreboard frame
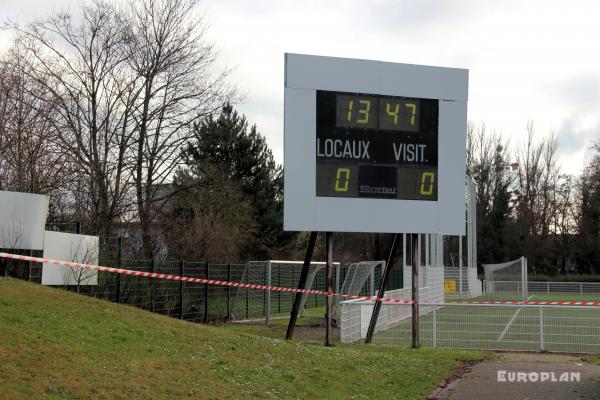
[{"x": 304, "y": 211}]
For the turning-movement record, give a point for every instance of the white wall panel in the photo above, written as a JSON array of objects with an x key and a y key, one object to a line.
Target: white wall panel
[
  {"x": 22, "y": 220},
  {"x": 70, "y": 247}
]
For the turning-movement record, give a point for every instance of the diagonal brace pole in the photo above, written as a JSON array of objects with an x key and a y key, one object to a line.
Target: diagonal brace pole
[
  {"x": 381, "y": 292},
  {"x": 301, "y": 285}
]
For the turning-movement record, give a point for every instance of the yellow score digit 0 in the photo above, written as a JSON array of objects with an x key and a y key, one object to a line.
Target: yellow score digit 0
[
  {"x": 341, "y": 183},
  {"x": 424, "y": 178}
]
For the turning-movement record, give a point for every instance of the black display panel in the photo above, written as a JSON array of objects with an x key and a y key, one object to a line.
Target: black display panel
[{"x": 376, "y": 146}]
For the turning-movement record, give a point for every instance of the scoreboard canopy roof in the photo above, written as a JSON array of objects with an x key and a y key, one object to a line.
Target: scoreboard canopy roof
[{"x": 373, "y": 146}]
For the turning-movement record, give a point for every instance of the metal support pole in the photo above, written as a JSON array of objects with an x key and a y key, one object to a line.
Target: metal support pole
[
  {"x": 181, "y": 287},
  {"x": 152, "y": 285},
  {"x": 419, "y": 252},
  {"x": 301, "y": 284},
  {"x": 541, "y": 328},
  {"x": 228, "y": 292},
  {"x": 460, "y": 266},
  {"x": 329, "y": 273},
  {"x": 119, "y": 261},
  {"x": 337, "y": 282},
  {"x": 415, "y": 290},
  {"x": 434, "y": 328},
  {"x": 428, "y": 249},
  {"x": 206, "y": 295},
  {"x": 372, "y": 283},
  {"x": 381, "y": 293},
  {"x": 403, "y": 251},
  {"x": 29, "y": 266},
  {"x": 268, "y": 295}
]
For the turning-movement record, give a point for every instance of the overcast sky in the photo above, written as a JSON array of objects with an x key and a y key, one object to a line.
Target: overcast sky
[{"x": 537, "y": 60}]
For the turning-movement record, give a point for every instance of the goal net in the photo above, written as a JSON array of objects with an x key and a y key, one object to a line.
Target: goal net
[
  {"x": 254, "y": 304},
  {"x": 361, "y": 278},
  {"x": 506, "y": 281}
]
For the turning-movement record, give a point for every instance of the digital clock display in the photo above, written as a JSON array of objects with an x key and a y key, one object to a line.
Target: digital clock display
[{"x": 376, "y": 146}]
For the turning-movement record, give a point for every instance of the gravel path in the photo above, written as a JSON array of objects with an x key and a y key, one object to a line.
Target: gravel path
[{"x": 481, "y": 381}]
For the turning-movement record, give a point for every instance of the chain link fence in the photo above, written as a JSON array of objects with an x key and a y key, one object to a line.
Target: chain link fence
[
  {"x": 552, "y": 328},
  {"x": 193, "y": 301}
]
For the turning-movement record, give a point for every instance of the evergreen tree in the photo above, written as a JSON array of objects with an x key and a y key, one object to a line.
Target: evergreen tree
[{"x": 227, "y": 144}]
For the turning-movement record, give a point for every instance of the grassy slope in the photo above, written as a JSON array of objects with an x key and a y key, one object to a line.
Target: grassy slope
[{"x": 55, "y": 344}]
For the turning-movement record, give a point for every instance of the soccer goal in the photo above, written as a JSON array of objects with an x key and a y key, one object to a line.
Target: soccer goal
[
  {"x": 506, "y": 281},
  {"x": 257, "y": 305},
  {"x": 361, "y": 278}
]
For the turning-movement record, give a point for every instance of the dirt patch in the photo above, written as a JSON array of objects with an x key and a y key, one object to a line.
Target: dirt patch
[
  {"x": 461, "y": 369},
  {"x": 538, "y": 357}
]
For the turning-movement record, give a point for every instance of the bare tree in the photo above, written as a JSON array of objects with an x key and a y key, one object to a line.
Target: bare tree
[
  {"x": 488, "y": 164},
  {"x": 564, "y": 219},
  {"x": 31, "y": 160},
  {"x": 537, "y": 186},
  {"x": 173, "y": 63},
  {"x": 588, "y": 215},
  {"x": 212, "y": 221},
  {"x": 81, "y": 66},
  {"x": 86, "y": 253}
]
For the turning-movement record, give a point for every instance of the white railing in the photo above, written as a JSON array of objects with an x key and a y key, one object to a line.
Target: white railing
[
  {"x": 356, "y": 314},
  {"x": 581, "y": 288},
  {"x": 573, "y": 329}
]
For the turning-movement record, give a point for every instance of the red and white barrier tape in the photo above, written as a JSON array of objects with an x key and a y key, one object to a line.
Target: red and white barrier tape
[
  {"x": 534, "y": 303},
  {"x": 272, "y": 288},
  {"x": 195, "y": 280}
]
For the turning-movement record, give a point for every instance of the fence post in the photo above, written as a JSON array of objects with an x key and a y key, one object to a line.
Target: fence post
[
  {"x": 581, "y": 288},
  {"x": 337, "y": 283},
  {"x": 247, "y": 305},
  {"x": 541, "y": 328},
  {"x": 434, "y": 333},
  {"x": 181, "y": 287},
  {"x": 548, "y": 284},
  {"x": 29, "y": 266},
  {"x": 228, "y": 291},
  {"x": 206, "y": 295},
  {"x": 152, "y": 283},
  {"x": 119, "y": 261},
  {"x": 268, "y": 294}
]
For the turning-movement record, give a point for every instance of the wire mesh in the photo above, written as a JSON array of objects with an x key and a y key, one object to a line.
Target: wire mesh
[{"x": 552, "y": 328}]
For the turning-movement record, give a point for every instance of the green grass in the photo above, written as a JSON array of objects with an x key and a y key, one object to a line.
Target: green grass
[
  {"x": 60, "y": 345},
  {"x": 593, "y": 359},
  {"x": 572, "y": 330}
]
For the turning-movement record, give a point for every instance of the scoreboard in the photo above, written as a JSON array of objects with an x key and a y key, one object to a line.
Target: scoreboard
[
  {"x": 371, "y": 146},
  {"x": 376, "y": 146}
]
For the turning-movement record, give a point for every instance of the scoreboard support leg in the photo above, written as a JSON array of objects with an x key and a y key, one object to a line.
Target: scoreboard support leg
[
  {"x": 381, "y": 292},
  {"x": 416, "y": 261},
  {"x": 329, "y": 272},
  {"x": 301, "y": 284}
]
